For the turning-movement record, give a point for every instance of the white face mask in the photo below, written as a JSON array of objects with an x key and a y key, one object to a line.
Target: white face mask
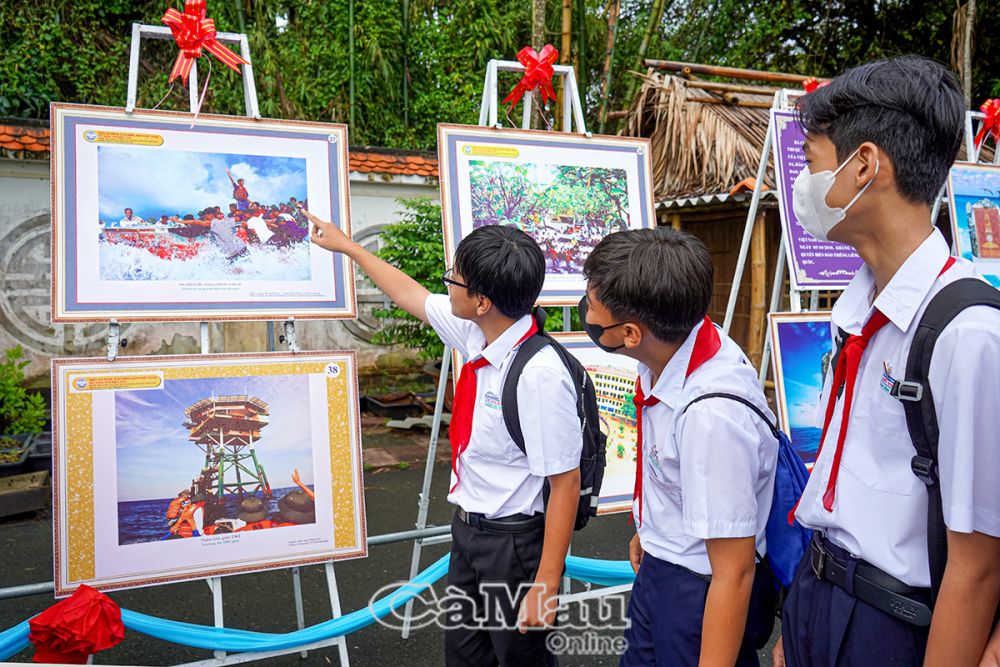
[{"x": 809, "y": 199}]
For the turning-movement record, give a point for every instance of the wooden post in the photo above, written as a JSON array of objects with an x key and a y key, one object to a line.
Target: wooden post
[
  {"x": 758, "y": 289},
  {"x": 675, "y": 220}
]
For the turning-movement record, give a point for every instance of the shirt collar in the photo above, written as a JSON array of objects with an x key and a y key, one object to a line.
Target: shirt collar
[
  {"x": 904, "y": 294},
  {"x": 497, "y": 351},
  {"x": 671, "y": 381}
]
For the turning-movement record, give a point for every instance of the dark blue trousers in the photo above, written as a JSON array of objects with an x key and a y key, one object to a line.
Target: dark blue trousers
[
  {"x": 667, "y": 608},
  {"x": 822, "y": 625}
]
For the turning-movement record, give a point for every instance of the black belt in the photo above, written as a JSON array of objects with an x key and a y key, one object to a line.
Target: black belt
[
  {"x": 871, "y": 585},
  {"x": 515, "y": 523}
]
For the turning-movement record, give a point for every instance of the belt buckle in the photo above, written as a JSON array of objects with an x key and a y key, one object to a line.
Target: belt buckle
[{"x": 818, "y": 561}]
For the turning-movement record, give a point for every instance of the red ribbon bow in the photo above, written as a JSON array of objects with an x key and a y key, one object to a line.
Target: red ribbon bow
[
  {"x": 538, "y": 72},
  {"x": 193, "y": 32},
  {"x": 77, "y": 627},
  {"x": 991, "y": 124},
  {"x": 813, "y": 83}
]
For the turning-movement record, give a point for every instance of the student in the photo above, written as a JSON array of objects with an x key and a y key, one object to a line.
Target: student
[
  {"x": 880, "y": 140},
  {"x": 705, "y": 469},
  {"x": 502, "y": 532}
]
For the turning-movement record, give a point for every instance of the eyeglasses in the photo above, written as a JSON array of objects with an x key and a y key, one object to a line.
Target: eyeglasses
[{"x": 448, "y": 280}]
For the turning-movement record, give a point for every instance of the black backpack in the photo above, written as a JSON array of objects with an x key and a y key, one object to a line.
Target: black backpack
[
  {"x": 918, "y": 404},
  {"x": 914, "y": 392},
  {"x": 592, "y": 457}
]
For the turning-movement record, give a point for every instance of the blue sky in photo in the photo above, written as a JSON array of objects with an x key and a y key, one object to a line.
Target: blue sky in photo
[
  {"x": 155, "y": 458},
  {"x": 976, "y": 182},
  {"x": 154, "y": 182},
  {"x": 802, "y": 346}
]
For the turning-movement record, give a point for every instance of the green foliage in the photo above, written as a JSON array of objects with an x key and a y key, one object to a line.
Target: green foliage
[
  {"x": 414, "y": 245},
  {"x": 23, "y": 412},
  {"x": 415, "y": 71}
]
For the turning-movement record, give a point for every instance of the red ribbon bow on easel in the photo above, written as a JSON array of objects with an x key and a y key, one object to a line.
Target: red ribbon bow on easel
[
  {"x": 193, "y": 32},
  {"x": 538, "y": 72},
  {"x": 991, "y": 124},
  {"x": 74, "y": 629},
  {"x": 813, "y": 83}
]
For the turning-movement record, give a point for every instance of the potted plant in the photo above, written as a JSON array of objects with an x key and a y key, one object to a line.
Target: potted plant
[{"x": 22, "y": 413}]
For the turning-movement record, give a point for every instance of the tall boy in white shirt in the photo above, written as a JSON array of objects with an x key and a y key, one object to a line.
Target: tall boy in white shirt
[
  {"x": 705, "y": 473},
  {"x": 502, "y": 532},
  {"x": 880, "y": 140}
]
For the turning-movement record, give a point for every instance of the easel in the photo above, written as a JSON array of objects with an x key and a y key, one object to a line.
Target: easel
[
  {"x": 572, "y": 116},
  {"x": 114, "y": 341}
]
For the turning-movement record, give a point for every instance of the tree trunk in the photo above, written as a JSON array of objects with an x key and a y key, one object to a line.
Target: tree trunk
[
  {"x": 613, "y": 8},
  {"x": 970, "y": 20},
  {"x": 655, "y": 17}
]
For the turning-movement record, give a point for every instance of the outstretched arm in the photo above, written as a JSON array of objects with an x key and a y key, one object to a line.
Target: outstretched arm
[
  {"x": 230, "y": 175},
  {"x": 406, "y": 292}
]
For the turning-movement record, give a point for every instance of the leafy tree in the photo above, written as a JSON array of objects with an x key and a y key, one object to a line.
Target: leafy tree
[{"x": 413, "y": 72}]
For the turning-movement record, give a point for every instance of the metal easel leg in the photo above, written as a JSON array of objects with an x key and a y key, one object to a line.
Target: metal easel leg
[
  {"x": 331, "y": 583},
  {"x": 215, "y": 584},
  {"x": 425, "y": 491},
  {"x": 300, "y": 617},
  {"x": 779, "y": 274},
  {"x": 741, "y": 260}
]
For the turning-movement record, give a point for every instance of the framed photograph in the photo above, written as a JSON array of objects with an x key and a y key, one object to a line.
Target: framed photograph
[
  {"x": 801, "y": 349},
  {"x": 974, "y": 206},
  {"x": 567, "y": 191},
  {"x": 186, "y": 467},
  {"x": 614, "y": 380},
  {"x": 156, "y": 218},
  {"x": 813, "y": 264}
]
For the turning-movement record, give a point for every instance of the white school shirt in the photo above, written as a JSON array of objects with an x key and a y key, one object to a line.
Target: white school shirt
[
  {"x": 708, "y": 473},
  {"x": 494, "y": 476},
  {"x": 880, "y": 507}
]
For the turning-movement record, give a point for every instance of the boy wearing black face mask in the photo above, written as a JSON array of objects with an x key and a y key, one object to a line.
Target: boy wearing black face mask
[
  {"x": 705, "y": 469},
  {"x": 880, "y": 140}
]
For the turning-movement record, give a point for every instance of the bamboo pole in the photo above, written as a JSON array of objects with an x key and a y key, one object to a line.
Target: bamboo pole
[
  {"x": 581, "y": 49},
  {"x": 406, "y": 63},
  {"x": 731, "y": 87},
  {"x": 609, "y": 53},
  {"x": 655, "y": 17},
  {"x": 675, "y": 221},
  {"x": 750, "y": 104},
  {"x": 564, "y": 51},
  {"x": 350, "y": 45},
  {"x": 758, "y": 289},
  {"x": 731, "y": 72}
]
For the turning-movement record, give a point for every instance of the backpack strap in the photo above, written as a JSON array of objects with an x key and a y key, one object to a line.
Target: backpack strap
[
  {"x": 508, "y": 398},
  {"x": 918, "y": 404},
  {"x": 738, "y": 399},
  {"x": 774, "y": 432}
]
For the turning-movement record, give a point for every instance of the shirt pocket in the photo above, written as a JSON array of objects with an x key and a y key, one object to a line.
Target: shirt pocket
[
  {"x": 491, "y": 441},
  {"x": 878, "y": 450},
  {"x": 663, "y": 474}
]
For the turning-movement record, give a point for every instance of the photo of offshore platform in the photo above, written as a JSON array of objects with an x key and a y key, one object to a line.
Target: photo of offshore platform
[{"x": 228, "y": 429}]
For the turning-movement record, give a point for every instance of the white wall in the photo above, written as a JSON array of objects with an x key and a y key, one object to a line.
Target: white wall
[{"x": 25, "y": 281}]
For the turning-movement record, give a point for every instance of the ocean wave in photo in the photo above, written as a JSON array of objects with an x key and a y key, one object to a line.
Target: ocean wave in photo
[{"x": 124, "y": 262}]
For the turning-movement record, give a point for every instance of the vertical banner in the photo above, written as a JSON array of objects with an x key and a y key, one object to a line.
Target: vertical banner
[{"x": 813, "y": 264}]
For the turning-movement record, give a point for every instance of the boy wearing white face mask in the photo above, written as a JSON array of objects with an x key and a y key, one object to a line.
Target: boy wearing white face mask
[{"x": 880, "y": 140}]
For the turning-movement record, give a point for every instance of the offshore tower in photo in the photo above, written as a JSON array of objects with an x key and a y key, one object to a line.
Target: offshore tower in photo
[{"x": 227, "y": 429}]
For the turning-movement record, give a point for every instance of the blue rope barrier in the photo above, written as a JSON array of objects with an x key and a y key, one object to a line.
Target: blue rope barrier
[{"x": 595, "y": 571}]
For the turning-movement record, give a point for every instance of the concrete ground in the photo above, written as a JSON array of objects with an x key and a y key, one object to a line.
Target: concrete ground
[{"x": 264, "y": 601}]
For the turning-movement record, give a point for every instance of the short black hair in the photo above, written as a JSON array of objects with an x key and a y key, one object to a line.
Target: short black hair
[
  {"x": 660, "y": 277},
  {"x": 503, "y": 264},
  {"x": 910, "y": 107}
]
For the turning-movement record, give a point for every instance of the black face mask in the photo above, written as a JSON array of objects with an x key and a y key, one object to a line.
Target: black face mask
[{"x": 595, "y": 331}]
